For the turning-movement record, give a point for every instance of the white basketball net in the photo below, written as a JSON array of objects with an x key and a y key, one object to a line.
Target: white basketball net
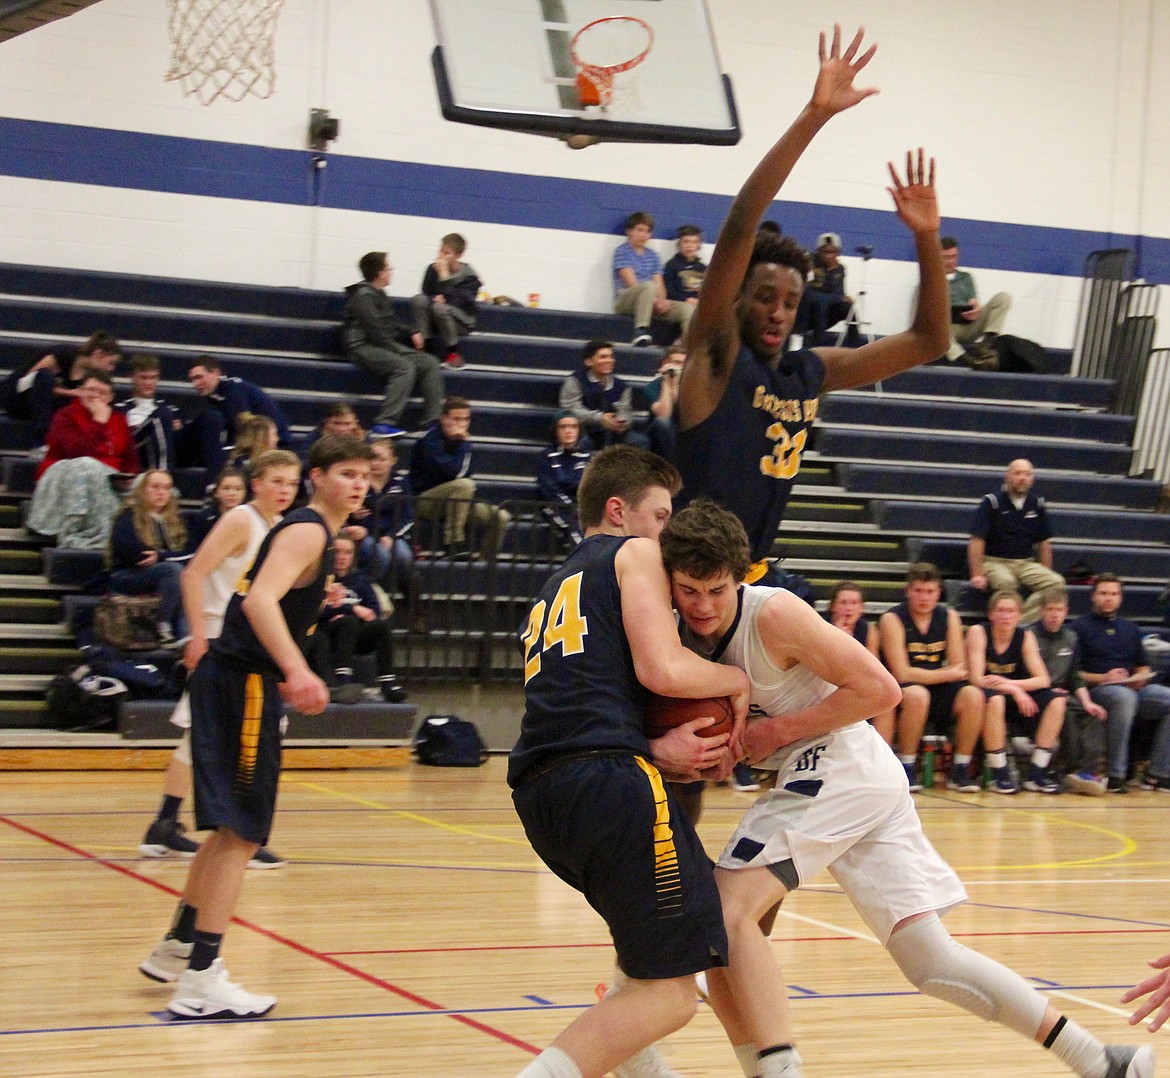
[
  {"x": 224, "y": 48},
  {"x": 603, "y": 50}
]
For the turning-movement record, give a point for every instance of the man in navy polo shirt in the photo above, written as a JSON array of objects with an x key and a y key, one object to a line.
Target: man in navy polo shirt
[
  {"x": 1113, "y": 665},
  {"x": 1010, "y": 543}
]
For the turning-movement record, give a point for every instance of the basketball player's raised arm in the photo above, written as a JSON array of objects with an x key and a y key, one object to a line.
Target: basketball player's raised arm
[
  {"x": 929, "y": 334},
  {"x": 292, "y": 560},
  {"x": 713, "y": 338},
  {"x": 226, "y": 539},
  {"x": 662, "y": 664},
  {"x": 793, "y": 632}
]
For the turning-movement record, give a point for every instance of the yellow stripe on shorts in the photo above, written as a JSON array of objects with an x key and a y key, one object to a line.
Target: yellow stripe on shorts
[
  {"x": 756, "y": 570},
  {"x": 250, "y": 731},
  {"x": 667, "y": 883}
]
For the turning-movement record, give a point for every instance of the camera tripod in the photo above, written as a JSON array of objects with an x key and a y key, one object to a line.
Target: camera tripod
[{"x": 857, "y": 317}]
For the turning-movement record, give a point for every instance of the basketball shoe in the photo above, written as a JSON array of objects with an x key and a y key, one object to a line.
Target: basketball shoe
[
  {"x": 207, "y": 993},
  {"x": 167, "y": 961}
]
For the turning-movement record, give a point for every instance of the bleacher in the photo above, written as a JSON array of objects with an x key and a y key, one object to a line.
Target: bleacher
[{"x": 892, "y": 474}]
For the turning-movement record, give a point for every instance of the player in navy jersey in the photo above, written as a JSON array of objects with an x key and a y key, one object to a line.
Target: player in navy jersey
[
  {"x": 745, "y": 407},
  {"x": 236, "y": 705},
  {"x": 584, "y": 778}
]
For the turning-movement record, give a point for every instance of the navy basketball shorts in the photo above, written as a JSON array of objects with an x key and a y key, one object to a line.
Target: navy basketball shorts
[
  {"x": 235, "y": 748},
  {"x": 606, "y": 826},
  {"x": 941, "y": 715},
  {"x": 1023, "y": 725}
]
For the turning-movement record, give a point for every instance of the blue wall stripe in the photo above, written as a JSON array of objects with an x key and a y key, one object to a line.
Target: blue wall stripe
[{"x": 72, "y": 153}]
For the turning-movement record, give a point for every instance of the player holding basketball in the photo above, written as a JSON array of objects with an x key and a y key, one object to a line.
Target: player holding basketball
[
  {"x": 236, "y": 706},
  {"x": 592, "y": 803},
  {"x": 745, "y": 408},
  {"x": 841, "y": 802}
]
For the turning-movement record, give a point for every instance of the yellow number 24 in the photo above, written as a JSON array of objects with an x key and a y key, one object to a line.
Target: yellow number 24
[{"x": 565, "y": 626}]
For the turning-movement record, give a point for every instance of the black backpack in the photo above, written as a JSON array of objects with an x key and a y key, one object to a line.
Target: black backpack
[
  {"x": 449, "y": 741},
  {"x": 82, "y": 701},
  {"x": 1020, "y": 356}
]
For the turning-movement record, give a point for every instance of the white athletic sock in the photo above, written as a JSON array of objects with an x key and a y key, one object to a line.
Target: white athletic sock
[
  {"x": 748, "y": 1058},
  {"x": 1041, "y": 758},
  {"x": 551, "y": 1063},
  {"x": 959, "y": 760},
  {"x": 907, "y": 758},
  {"x": 997, "y": 759},
  {"x": 785, "y": 1064},
  {"x": 1084, "y": 1054}
]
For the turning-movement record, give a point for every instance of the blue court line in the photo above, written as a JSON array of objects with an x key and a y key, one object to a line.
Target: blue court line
[
  {"x": 1069, "y": 913},
  {"x": 179, "y": 1024},
  {"x": 542, "y": 1002},
  {"x": 134, "y": 160}
]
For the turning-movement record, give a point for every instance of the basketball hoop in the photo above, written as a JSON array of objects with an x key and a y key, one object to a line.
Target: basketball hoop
[
  {"x": 604, "y": 49},
  {"x": 224, "y": 48}
]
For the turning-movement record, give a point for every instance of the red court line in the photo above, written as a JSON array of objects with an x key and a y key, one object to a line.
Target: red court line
[{"x": 276, "y": 937}]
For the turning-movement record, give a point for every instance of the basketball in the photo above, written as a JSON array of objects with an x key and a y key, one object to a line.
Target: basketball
[{"x": 664, "y": 713}]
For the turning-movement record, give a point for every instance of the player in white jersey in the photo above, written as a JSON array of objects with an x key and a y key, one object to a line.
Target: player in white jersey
[
  {"x": 208, "y": 582},
  {"x": 842, "y": 803}
]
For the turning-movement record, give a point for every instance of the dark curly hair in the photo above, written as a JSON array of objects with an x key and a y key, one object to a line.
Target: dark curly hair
[{"x": 781, "y": 250}]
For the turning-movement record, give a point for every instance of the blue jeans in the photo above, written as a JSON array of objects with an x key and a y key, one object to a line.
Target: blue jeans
[
  {"x": 161, "y": 579},
  {"x": 1151, "y": 703}
]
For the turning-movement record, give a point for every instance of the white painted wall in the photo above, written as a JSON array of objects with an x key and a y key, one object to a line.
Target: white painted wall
[{"x": 1044, "y": 113}]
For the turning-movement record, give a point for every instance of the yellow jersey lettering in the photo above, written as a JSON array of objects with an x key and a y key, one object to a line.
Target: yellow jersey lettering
[
  {"x": 565, "y": 626},
  {"x": 784, "y": 461}
]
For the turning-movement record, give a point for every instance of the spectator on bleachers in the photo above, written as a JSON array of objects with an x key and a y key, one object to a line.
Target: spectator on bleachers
[
  {"x": 381, "y": 526},
  {"x": 846, "y": 610},
  {"x": 255, "y": 434},
  {"x": 351, "y": 623},
  {"x": 1004, "y": 661},
  {"x": 661, "y": 395},
  {"x": 375, "y": 340},
  {"x": 35, "y": 390},
  {"x": 229, "y": 490},
  {"x": 440, "y": 473},
  {"x": 602, "y": 402},
  {"x": 1082, "y": 738},
  {"x": 825, "y": 302},
  {"x": 204, "y": 440},
  {"x": 558, "y": 474},
  {"x": 639, "y": 290},
  {"x": 148, "y": 549},
  {"x": 88, "y": 444},
  {"x": 445, "y": 309},
  {"x": 1010, "y": 545},
  {"x": 152, "y": 421},
  {"x": 683, "y": 273},
  {"x": 1113, "y": 665},
  {"x": 974, "y": 326},
  {"x": 922, "y": 645}
]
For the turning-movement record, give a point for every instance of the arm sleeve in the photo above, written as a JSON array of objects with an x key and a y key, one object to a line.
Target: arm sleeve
[
  {"x": 127, "y": 550},
  {"x": 981, "y": 520},
  {"x": 674, "y": 288},
  {"x": 572, "y": 400}
]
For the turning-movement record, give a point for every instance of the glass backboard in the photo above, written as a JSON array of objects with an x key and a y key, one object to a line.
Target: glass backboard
[{"x": 623, "y": 70}]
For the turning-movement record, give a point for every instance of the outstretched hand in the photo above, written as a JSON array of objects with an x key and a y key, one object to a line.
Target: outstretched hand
[
  {"x": 1157, "y": 988},
  {"x": 834, "y": 91},
  {"x": 915, "y": 199}
]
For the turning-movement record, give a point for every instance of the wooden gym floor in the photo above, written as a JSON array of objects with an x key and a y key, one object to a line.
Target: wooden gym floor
[{"x": 416, "y": 934}]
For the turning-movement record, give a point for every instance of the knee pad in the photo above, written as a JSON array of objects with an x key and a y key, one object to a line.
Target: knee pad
[{"x": 938, "y": 966}]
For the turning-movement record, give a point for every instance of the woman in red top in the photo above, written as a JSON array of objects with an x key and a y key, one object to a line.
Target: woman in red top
[
  {"x": 89, "y": 427},
  {"x": 88, "y": 442}
]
